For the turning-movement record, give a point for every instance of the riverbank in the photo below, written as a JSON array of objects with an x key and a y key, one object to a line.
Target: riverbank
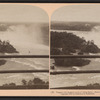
[
  {"x": 71, "y": 80},
  {"x": 22, "y": 64}
]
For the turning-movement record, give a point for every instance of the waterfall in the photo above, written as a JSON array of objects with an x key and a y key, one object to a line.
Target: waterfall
[{"x": 25, "y": 37}]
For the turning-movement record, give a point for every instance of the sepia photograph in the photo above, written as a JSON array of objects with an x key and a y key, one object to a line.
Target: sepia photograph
[
  {"x": 75, "y": 47},
  {"x": 24, "y": 47}
]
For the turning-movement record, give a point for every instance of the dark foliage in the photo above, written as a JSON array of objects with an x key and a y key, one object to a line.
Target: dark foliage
[
  {"x": 9, "y": 85},
  {"x": 6, "y": 47},
  {"x": 36, "y": 83},
  {"x": 63, "y": 43},
  {"x": 71, "y": 43},
  {"x": 71, "y": 62},
  {"x": 2, "y": 62}
]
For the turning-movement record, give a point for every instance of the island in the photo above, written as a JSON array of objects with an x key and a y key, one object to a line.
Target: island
[{"x": 64, "y": 43}]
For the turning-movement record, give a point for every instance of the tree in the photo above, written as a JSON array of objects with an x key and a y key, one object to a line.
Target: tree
[
  {"x": 5, "y": 85},
  {"x": 92, "y": 42},
  {"x": 38, "y": 81},
  {"x": 12, "y": 84},
  {"x": 24, "y": 82},
  {"x": 30, "y": 83},
  {"x": 6, "y": 47}
]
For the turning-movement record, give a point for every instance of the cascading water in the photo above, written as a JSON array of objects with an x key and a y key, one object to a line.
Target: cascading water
[{"x": 25, "y": 37}]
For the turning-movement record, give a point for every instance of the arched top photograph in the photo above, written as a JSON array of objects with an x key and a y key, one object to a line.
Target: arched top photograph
[
  {"x": 75, "y": 40},
  {"x": 24, "y": 47},
  {"x": 24, "y": 29}
]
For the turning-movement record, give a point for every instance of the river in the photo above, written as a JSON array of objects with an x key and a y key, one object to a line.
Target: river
[{"x": 67, "y": 80}]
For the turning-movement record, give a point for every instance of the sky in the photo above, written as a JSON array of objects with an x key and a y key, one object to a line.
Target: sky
[
  {"x": 22, "y": 13},
  {"x": 83, "y": 13}
]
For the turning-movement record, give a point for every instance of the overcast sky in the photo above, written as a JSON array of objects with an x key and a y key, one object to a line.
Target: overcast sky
[
  {"x": 22, "y": 13},
  {"x": 90, "y": 13}
]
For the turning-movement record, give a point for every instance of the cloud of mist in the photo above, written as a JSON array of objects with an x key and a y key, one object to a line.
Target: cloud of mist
[{"x": 24, "y": 36}]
